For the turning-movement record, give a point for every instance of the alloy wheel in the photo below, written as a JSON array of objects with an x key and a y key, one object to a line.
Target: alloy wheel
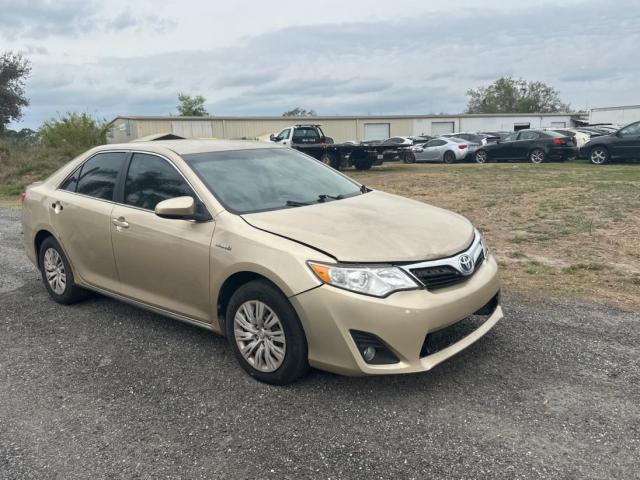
[
  {"x": 481, "y": 156},
  {"x": 260, "y": 336},
  {"x": 54, "y": 271},
  {"x": 598, "y": 156},
  {"x": 537, "y": 156}
]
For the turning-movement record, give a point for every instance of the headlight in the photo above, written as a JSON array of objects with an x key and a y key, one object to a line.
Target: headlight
[
  {"x": 485, "y": 248},
  {"x": 376, "y": 281}
]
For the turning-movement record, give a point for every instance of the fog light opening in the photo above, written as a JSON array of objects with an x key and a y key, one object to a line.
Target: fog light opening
[{"x": 369, "y": 353}]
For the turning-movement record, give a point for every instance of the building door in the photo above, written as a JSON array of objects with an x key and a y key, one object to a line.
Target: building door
[
  {"x": 376, "y": 131},
  {"x": 441, "y": 128}
]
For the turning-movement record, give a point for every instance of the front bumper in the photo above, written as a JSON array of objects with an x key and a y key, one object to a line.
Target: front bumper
[{"x": 401, "y": 321}]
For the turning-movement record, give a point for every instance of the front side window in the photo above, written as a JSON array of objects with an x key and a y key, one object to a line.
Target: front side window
[
  {"x": 152, "y": 179},
  {"x": 511, "y": 137},
  {"x": 632, "y": 130},
  {"x": 435, "y": 143},
  {"x": 246, "y": 181},
  {"x": 284, "y": 134},
  {"x": 98, "y": 175}
]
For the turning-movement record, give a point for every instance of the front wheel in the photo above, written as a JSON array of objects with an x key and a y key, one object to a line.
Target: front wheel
[
  {"x": 482, "y": 156},
  {"x": 599, "y": 155},
  {"x": 537, "y": 156},
  {"x": 409, "y": 157},
  {"x": 265, "y": 334}
]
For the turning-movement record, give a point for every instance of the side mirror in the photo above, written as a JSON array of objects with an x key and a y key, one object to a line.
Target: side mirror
[
  {"x": 272, "y": 137},
  {"x": 177, "y": 208}
]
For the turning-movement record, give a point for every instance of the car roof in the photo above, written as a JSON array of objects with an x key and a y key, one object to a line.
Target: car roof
[{"x": 188, "y": 146}]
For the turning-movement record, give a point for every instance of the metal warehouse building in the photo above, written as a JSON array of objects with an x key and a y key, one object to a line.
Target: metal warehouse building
[
  {"x": 340, "y": 128},
  {"x": 615, "y": 115}
]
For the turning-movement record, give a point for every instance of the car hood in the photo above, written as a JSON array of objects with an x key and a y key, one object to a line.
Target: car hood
[{"x": 374, "y": 227}]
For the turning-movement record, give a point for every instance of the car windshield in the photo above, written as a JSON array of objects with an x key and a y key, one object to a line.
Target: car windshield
[{"x": 255, "y": 180}]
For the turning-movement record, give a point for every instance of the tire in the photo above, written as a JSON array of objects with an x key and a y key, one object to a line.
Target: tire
[
  {"x": 481, "y": 156},
  {"x": 449, "y": 157},
  {"x": 363, "y": 164},
  {"x": 57, "y": 275},
  {"x": 537, "y": 156},
  {"x": 330, "y": 160},
  {"x": 273, "y": 359},
  {"x": 599, "y": 155},
  {"x": 409, "y": 157}
]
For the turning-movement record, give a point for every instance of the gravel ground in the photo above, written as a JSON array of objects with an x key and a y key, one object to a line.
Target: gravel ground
[{"x": 105, "y": 390}]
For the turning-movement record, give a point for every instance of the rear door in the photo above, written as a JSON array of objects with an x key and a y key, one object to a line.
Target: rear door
[
  {"x": 161, "y": 262},
  {"x": 81, "y": 216},
  {"x": 526, "y": 141}
]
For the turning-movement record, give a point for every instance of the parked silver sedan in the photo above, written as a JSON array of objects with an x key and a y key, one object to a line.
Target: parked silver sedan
[{"x": 443, "y": 149}]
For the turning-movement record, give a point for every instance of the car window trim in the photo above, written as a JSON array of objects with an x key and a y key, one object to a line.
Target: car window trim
[{"x": 122, "y": 177}]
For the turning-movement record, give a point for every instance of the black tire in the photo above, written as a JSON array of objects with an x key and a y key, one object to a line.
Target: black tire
[
  {"x": 599, "y": 155},
  {"x": 71, "y": 293},
  {"x": 295, "y": 364},
  {"x": 481, "y": 156},
  {"x": 449, "y": 157},
  {"x": 363, "y": 164},
  {"x": 537, "y": 156},
  {"x": 409, "y": 157},
  {"x": 330, "y": 160}
]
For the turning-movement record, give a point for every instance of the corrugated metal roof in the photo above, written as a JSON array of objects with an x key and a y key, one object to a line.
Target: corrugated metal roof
[{"x": 340, "y": 117}]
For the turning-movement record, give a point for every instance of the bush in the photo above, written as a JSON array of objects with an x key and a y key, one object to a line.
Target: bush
[{"x": 73, "y": 133}]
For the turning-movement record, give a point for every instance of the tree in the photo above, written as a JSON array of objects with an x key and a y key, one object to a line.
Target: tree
[
  {"x": 191, "y": 106},
  {"x": 73, "y": 133},
  {"x": 300, "y": 112},
  {"x": 507, "y": 95},
  {"x": 14, "y": 69}
]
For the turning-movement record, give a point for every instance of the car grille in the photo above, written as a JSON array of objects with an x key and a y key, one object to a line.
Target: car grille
[{"x": 443, "y": 276}]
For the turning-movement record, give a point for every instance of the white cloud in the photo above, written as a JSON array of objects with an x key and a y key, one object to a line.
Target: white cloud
[{"x": 250, "y": 57}]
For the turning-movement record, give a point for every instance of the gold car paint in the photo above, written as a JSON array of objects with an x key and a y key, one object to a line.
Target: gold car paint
[{"x": 202, "y": 256}]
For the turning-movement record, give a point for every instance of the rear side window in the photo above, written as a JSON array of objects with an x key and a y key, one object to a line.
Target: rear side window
[
  {"x": 99, "y": 174},
  {"x": 528, "y": 135},
  {"x": 71, "y": 183},
  {"x": 152, "y": 179}
]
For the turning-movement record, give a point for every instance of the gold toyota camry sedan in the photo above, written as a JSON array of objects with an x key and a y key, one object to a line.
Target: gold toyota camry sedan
[{"x": 297, "y": 264}]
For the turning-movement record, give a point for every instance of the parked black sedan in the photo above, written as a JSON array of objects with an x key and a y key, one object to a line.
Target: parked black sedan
[
  {"x": 621, "y": 145},
  {"x": 537, "y": 146}
]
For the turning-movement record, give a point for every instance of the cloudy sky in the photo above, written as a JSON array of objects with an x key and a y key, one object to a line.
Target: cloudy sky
[{"x": 251, "y": 57}]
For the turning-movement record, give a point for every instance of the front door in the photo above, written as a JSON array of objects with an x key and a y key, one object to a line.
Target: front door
[
  {"x": 629, "y": 144},
  {"x": 81, "y": 216},
  {"x": 433, "y": 150},
  {"x": 505, "y": 149},
  {"x": 161, "y": 262}
]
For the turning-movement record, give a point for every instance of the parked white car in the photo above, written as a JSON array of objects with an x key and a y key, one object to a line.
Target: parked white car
[{"x": 444, "y": 149}]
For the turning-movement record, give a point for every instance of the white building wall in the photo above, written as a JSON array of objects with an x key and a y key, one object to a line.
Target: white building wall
[{"x": 615, "y": 115}]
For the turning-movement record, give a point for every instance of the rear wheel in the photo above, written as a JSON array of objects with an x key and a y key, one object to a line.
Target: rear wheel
[
  {"x": 57, "y": 275},
  {"x": 482, "y": 156},
  {"x": 449, "y": 157},
  {"x": 363, "y": 164},
  {"x": 599, "y": 155},
  {"x": 330, "y": 160},
  {"x": 265, "y": 334},
  {"x": 537, "y": 156}
]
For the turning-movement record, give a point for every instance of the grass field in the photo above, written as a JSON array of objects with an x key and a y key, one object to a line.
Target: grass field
[{"x": 558, "y": 230}]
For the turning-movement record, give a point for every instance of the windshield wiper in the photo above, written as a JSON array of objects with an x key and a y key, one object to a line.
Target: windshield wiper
[
  {"x": 324, "y": 197},
  {"x": 294, "y": 203}
]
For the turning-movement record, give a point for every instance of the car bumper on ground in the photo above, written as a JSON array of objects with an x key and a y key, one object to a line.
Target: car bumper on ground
[{"x": 402, "y": 321}]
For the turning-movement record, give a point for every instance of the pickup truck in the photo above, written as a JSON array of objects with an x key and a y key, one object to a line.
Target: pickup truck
[{"x": 310, "y": 139}]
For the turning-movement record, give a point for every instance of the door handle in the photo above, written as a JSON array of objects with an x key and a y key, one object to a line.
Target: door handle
[{"x": 120, "y": 223}]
